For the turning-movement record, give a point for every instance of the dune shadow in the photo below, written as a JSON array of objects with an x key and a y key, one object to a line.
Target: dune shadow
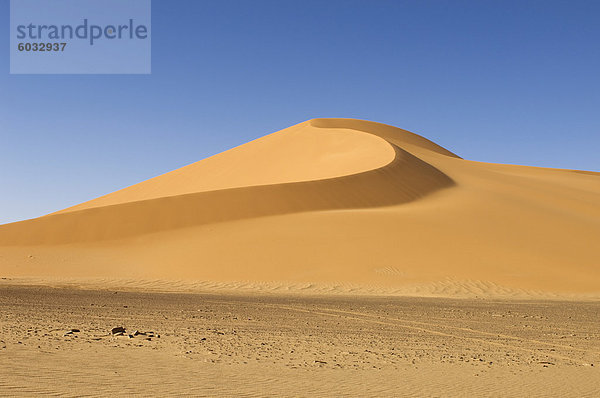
[{"x": 405, "y": 179}]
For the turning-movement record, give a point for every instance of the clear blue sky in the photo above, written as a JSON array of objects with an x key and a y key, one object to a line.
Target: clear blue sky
[{"x": 498, "y": 81}]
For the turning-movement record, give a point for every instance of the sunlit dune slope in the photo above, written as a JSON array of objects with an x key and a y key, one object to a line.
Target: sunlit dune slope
[
  {"x": 346, "y": 204},
  {"x": 303, "y": 168},
  {"x": 298, "y": 153}
]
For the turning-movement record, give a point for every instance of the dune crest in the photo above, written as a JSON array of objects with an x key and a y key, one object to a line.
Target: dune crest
[
  {"x": 390, "y": 133},
  {"x": 298, "y": 153},
  {"x": 329, "y": 202},
  {"x": 392, "y": 176}
]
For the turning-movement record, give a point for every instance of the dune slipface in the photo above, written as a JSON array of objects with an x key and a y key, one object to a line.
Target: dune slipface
[{"x": 333, "y": 205}]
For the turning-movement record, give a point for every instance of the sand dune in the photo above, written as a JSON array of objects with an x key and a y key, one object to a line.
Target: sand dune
[{"x": 328, "y": 205}]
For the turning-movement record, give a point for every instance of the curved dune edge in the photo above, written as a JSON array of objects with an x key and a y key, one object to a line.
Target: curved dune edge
[
  {"x": 389, "y": 133},
  {"x": 313, "y": 150},
  {"x": 405, "y": 179},
  {"x": 392, "y": 230},
  {"x": 296, "y": 154},
  {"x": 447, "y": 288}
]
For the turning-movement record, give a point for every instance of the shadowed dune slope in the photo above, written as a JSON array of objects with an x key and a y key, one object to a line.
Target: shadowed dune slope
[
  {"x": 339, "y": 205},
  {"x": 405, "y": 179},
  {"x": 364, "y": 171},
  {"x": 298, "y": 153}
]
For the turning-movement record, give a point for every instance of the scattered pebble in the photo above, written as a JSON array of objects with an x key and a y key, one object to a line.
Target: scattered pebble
[{"x": 118, "y": 329}]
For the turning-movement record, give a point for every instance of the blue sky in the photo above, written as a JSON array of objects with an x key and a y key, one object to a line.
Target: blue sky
[{"x": 498, "y": 81}]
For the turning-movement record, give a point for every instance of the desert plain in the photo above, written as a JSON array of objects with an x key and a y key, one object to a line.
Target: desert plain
[
  {"x": 206, "y": 345},
  {"x": 337, "y": 257}
]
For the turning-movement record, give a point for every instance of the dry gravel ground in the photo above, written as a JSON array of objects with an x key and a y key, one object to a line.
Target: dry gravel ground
[{"x": 277, "y": 345}]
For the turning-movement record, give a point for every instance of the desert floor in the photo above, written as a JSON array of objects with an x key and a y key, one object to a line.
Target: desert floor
[{"x": 284, "y": 345}]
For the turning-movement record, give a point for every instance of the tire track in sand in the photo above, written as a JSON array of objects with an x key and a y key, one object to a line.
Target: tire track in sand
[
  {"x": 402, "y": 323},
  {"x": 470, "y": 330}
]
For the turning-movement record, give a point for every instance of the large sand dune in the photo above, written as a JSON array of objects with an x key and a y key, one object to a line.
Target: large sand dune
[{"x": 333, "y": 205}]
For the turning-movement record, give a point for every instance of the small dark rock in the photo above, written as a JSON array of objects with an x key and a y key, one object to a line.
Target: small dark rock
[
  {"x": 118, "y": 329},
  {"x": 75, "y": 330}
]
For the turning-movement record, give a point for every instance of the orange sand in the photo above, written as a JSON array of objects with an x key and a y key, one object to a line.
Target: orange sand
[{"x": 332, "y": 205}]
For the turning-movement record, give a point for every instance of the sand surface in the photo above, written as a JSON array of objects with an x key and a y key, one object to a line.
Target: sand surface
[
  {"x": 302, "y": 346},
  {"x": 331, "y": 205},
  {"x": 337, "y": 257}
]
